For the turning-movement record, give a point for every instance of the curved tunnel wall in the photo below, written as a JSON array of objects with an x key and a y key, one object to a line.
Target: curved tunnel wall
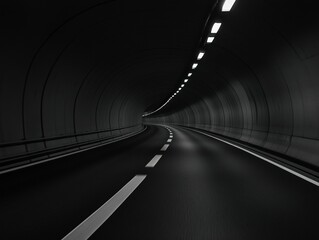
[
  {"x": 80, "y": 71},
  {"x": 258, "y": 82},
  {"x": 64, "y": 95}
]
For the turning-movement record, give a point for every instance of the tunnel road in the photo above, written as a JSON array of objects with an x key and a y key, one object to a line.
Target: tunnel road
[{"x": 165, "y": 183}]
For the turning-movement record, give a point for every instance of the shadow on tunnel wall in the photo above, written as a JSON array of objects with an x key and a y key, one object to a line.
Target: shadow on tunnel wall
[
  {"x": 259, "y": 82},
  {"x": 60, "y": 86}
]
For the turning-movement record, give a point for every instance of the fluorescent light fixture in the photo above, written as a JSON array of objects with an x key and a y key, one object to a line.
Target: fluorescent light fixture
[
  {"x": 210, "y": 39},
  {"x": 215, "y": 27},
  {"x": 190, "y": 74},
  {"x": 186, "y": 80},
  {"x": 179, "y": 89},
  {"x": 228, "y": 4},
  {"x": 200, "y": 55},
  {"x": 194, "y": 65},
  {"x": 182, "y": 85}
]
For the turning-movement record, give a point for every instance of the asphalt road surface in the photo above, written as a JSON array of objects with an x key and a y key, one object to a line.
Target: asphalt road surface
[{"x": 189, "y": 187}]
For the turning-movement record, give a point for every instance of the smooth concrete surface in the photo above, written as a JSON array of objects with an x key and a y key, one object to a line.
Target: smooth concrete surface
[
  {"x": 258, "y": 81},
  {"x": 88, "y": 66}
]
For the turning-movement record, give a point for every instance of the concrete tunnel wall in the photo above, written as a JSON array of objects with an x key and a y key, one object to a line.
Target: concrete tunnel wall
[
  {"x": 59, "y": 86},
  {"x": 86, "y": 70},
  {"x": 259, "y": 81}
]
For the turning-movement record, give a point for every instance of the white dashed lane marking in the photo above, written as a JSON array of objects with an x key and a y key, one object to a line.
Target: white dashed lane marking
[
  {"x": 96, "y": 219},
  {"x": 154, "y": 160},
  {"x": 85, "y": 229},
  {"x": 164, "y": 148}
]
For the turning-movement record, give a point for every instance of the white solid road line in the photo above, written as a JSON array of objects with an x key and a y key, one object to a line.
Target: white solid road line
[
  {"x": 164, "y": 148},
  {"x": 169, "y": 140},
  {"x": 93, "y": 222},
  {"x": 263, "y": 158},
  {"x": 154, "y": 160}
]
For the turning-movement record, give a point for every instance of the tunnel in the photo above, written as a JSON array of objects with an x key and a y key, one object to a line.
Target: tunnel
[{"x": 159, "y": 119}]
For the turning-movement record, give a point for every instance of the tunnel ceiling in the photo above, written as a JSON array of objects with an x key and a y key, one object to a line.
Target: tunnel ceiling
[{"x": 140, "y": 45}]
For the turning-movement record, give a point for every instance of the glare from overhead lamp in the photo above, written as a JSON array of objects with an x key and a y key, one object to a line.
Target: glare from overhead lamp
[
  {"x": 228, "y": 4},
  {"x": 182, "y": 85},
  {"x": 190, "y": 74},
  {"x": 179, "y": 89},
  {"x": 200, "y": 55},
  {"x": 210, "y": 39},
  {"x": 215, "y": 27},
  {"x": 186, "y": 80},
  {"x": 194, "y": 65}
]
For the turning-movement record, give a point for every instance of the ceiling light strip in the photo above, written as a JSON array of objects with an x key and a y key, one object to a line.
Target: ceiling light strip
[{"x": 228, "y": 4}]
